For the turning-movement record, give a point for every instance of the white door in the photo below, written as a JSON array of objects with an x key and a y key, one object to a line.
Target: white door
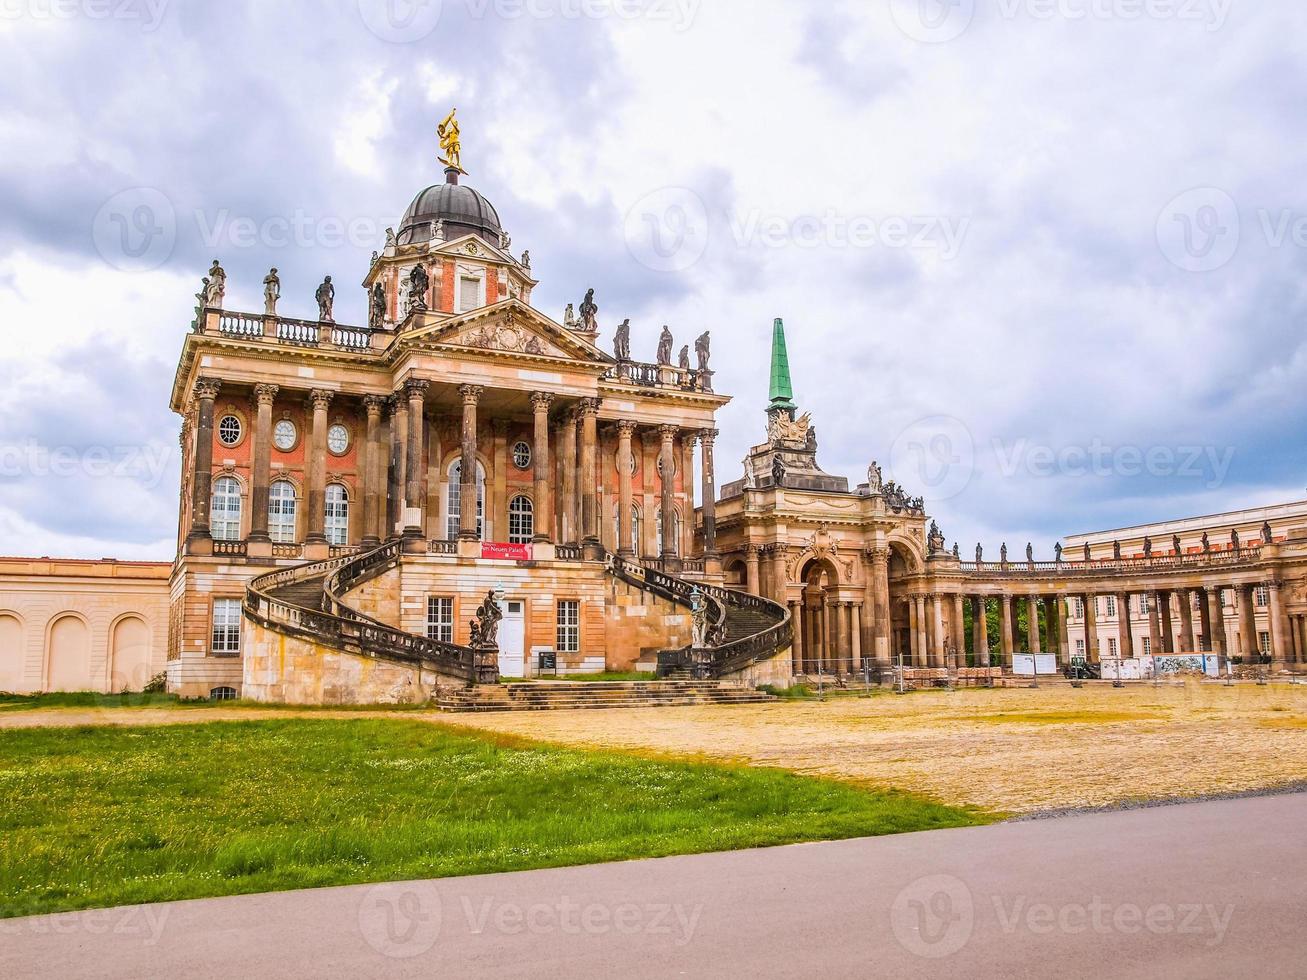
[{"x": 512, "y": 637}]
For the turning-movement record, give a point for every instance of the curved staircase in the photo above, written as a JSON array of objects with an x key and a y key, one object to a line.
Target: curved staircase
[{"x": 308, "y": 602}]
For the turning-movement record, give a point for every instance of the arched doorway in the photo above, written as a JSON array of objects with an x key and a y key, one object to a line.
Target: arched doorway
[
  {"x": 12, "y": 654},
  {"x": 68, "y": 665},
  {"x": 129, "y": 655},
  {"x": 826, "y": 641}
]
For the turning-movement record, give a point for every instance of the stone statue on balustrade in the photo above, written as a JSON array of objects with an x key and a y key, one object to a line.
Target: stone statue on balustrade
[
  {"x": 271, "y": 292},
  {"x": 935, "y": 540},
  {"x": 390, "y": 238},
  {"x": 589, "y": 313},
  {"x": 703, "y": 350},
  {"x": 1267, "y": 537},
  {"x": 377, "y": 307},
  {"x": 485, "y": 627},
  {"x": 1088, "y": 554},
  {"x": 957, "y": 551},
  {"x": 1234, "y": 539},
  {"x": 980, "y": 553},
  {"x": 1002, "y": 553},
  {"x": 1175, "y": 545},
  {"x": 217, "y": 286},
  {"x": 1207, "y": 544},
  {"x": 665, "y": 342},
  {"x": 1116, "y": 550},
  {"x": 875, "y": 478},
  {"x": 569, "y": 317},
  {"x": 418, "y": 285},
  {"x": 325, "y": 294},
  {"x": 201, "y": 301},
  {"x": 1148, "y": 547},
  {"x": 526, "y": 259},
  {"x": 622, "y": 340},
  {"x": 1030, "y": 553},
  {"x": 1057, "y": 552},
  {"x": 683, "y": 359}
]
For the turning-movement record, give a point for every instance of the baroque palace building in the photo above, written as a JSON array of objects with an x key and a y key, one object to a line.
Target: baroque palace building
[{"x": 465, "y": 489}]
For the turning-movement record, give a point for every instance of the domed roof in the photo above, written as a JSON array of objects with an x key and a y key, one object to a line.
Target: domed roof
[{"x": 461, "y": 208}]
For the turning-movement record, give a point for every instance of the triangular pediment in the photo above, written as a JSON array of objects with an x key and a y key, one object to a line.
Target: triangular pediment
[
  {"x": 471, "y": 246},
  {"x": 510, "y": 327}
]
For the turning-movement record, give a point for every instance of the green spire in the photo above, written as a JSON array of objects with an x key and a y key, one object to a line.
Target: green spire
[{"x": 782, "y": 394}]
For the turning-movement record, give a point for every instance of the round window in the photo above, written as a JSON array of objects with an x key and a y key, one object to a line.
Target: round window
[
  {"x": 283, "y": 435},
  {"x": 521, "y": 455},
  {"x": 229, "y": 430},
  {"x": 338, "y": 438}
]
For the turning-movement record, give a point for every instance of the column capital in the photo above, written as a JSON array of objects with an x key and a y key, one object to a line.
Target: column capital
[
  {"x": 417, "y": 388},
  {"x": 320, "y": 398},
  {"x": 264, "y": 394},
  {"x": 708, "y": 435},
  {"x": 625, "y": 427},
  {"x": 207, "y": 387},
  {"x": 587, "y": 408},
  {"x": 541, "y": 400},
  {"x": 395, "y": 403},
  {"x": 668, "y": 432},
  {"x": 688, "y": 438},
  {"x": 373, "y": 404}
]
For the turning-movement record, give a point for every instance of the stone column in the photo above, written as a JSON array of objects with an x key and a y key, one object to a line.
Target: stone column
[
  {"x": 1204, "y": 618},
  {"x": 264, "y": 396},
  {"x": 1032, "y": 624},
  {"x": 542, "y": 506},
  {"x": 937, "y": 638},
  {"x": 206, "y": 390},
  {"x": 372, "y": 472},
  {"x": 1125, "y": 635},
  {"x": 1005, "y": 630},
  {"x": 590, "y": 476},
  {"x": 1215, "y": 600},
  {"x": 855, "y": 635},
  {"x": 570, "y": 530},
  {"x": 666, "y": 464},
  {"x": 1168, "y": 625},
  {"x": 415, "y": 390},
  {"x": 1154, "y": 623},
  {"x": 914, "y": 633},
  {"x": 395, "y": 484},
  {"x": 1091, "y": 629},
  {"x": 796, "y": 623},
  {"x": 1186, "y": 621},
  {"x": 1063, "y": 631},
  {"x": 959, "y": 631},
  {"x": 751, "y": 576},
  {"x": 467, "y": 489},
  {"x": 625, "y": 528},
  {"x": 709, "y": 503},
  {"x": 980, "y": 629},
  {"x": 1280, "y": 651},
  {"x": 316, "y": 497},
  {"x": 1247, "y": 623},
  {"x": 880, "y": 604},
  {"x": 686, "y": 541}
]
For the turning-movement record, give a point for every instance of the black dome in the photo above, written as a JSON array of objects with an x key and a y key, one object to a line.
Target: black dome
[{"x": 462, "y": 209}]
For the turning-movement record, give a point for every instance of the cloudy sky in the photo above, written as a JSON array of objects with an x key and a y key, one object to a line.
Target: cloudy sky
[{"x": 1044, "y": 259}]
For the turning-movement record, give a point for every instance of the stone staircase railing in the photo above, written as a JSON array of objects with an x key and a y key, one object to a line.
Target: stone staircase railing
[
  {"x": 339, "y": 627},
  {"x": 718, "y": 658}
]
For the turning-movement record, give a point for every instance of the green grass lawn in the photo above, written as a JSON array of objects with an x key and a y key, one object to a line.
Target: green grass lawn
[{"x": 100, "y": 816}]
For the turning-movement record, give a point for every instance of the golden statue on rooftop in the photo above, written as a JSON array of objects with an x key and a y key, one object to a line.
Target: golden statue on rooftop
[{"x": 447, "y": 130}]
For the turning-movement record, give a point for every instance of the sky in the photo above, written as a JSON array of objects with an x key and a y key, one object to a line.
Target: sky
[{"x": 1042, "y": 259}]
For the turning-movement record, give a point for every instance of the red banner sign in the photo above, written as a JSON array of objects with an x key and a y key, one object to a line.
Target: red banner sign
[{"x": 504, "y": 550}]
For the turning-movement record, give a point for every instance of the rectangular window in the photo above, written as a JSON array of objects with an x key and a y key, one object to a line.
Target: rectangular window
[
  {"x": 1111, "y": 645},
  {"x": 440, "y": 618},
  {"x": 1111, "y": 605},
  {"x": 1264, "y": 641},
  {"x": 1080, "y": 608},
  {"x": 226, "y": 628},
  {"x": 569, "y": 626},
  {"x": 469, "y": 293},
  {"x": 1263, "y": 595},
  {"x": 1080, "y": 648},
  {"x": 1143, "y": 605},
  {"x": 1148, "y": 646}
]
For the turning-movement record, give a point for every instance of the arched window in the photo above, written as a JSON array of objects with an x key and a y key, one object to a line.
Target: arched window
[
  {"x": 454, "y": 496},
  {"x": 225, "y": 512},
  {"x": 635, "y": 527},
  {"x": 281, "y": 511},
  {"x": 521, "y": 520},
  {"x": 337, "y": 523}
]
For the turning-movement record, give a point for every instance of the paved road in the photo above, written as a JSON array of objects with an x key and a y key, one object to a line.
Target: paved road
[{"x": 1214, "y": 889}]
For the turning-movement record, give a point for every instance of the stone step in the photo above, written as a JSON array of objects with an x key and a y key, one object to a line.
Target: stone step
[{"x": 612, "y": 694}]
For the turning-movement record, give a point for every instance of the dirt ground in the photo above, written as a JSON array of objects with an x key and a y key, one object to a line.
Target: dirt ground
[{"x": 1012, "y": 750}]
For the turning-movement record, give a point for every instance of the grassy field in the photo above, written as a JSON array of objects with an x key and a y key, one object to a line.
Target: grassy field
[{"x": 97, "y": 816}]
